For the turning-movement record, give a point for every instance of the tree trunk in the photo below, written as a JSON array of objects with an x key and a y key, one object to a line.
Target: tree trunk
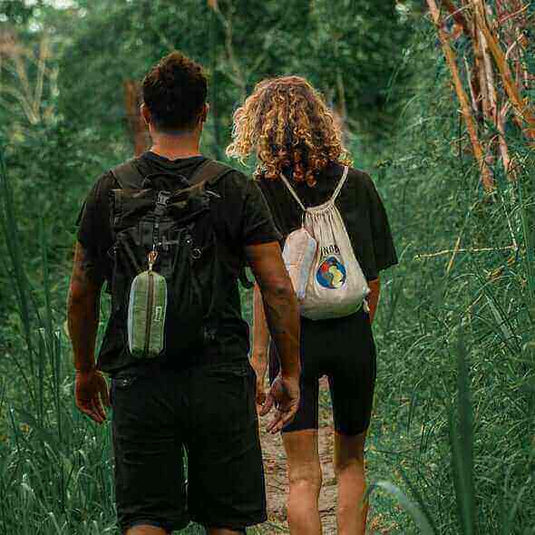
[{"x": 138, "y": 128}]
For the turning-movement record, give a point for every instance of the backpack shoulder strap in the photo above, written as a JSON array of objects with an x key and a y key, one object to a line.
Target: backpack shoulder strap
[
  {"x": 209, "y": 171},
  {"x": 340, "y": 184},
  {"x": 293, "y": 192},
  {"x": 127, "y": 175}
]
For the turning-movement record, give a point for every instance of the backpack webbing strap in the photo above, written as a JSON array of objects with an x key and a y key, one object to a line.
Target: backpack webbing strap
[
  {"x": 127, "y": 175},
  {"x": 209, "y": 171}
]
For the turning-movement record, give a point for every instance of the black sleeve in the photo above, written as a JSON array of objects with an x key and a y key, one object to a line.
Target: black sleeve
[
  {"x": 383, "y": 244},
  {"x": 257, "y": 221},
  {"x": 94, "y": 232}
]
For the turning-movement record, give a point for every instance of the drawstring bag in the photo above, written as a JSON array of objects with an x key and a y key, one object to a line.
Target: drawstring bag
[
  {"x": 147, "y": 307},
  {"x": 334, "y": 283}
]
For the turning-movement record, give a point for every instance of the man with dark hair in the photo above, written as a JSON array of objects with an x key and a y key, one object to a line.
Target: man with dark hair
[{"x": 196, "y": 223}]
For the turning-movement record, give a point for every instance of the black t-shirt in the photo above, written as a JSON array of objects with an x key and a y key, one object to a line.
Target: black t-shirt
[
  {"x": 243, "y": 219},
  {"x": 359, "y": 204}
]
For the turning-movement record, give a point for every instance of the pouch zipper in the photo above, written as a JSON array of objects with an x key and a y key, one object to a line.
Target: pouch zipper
[{"x": 150, "y": 299}]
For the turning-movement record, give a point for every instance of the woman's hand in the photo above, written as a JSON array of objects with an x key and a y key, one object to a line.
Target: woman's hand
[{"x": 259, "y": 365}]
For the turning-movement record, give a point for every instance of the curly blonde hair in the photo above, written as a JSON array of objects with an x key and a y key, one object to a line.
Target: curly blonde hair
[{"x": 289, "y": 125}]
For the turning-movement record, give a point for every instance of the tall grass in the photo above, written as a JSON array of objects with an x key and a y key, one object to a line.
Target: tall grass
[
  {"x": 55, "y": 465},
  {"x": 453, "y": 435},
  {"x": 456, "y": 329}
]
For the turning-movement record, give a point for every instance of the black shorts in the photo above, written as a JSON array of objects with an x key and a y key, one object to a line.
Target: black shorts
[
  {"x": 342, "y": 349},
  {"x": 204, "y": 417}
]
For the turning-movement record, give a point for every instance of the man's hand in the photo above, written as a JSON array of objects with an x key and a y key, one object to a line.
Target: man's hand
[
  {"x": 284, "y": 395},
  {"x": 259, "y": 366},
  {"x": 91, "y": 390}
]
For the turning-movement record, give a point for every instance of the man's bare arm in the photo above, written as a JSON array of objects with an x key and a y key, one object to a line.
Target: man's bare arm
[
  {"x": 280, "y": 304},
  {"x": 282, "y": 316},
  {"x": 83, "y": 307},
  {"x": 83, "y": 314}
]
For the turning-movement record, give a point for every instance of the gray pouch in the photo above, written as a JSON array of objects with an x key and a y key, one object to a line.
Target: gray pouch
[{"x": 146, "y": 315}]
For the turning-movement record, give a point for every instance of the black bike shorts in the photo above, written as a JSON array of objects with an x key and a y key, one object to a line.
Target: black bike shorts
[
  {"x": 342, "y": 349},
  {"x": 204, "y": 417}
]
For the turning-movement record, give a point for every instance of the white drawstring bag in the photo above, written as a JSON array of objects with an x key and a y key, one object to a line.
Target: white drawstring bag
[{"x": 325, "y": 272}]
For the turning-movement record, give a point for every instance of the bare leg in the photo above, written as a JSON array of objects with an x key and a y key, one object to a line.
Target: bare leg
[
  {"x": 304, "y": 474},
  {"x": 350, "y": 474},
  {"x": 146, "y": 530}
]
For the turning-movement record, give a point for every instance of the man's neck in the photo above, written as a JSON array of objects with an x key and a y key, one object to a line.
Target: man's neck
[{"x": 174, "y": 147}]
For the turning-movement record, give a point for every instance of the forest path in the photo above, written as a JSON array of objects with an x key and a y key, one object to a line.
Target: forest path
[{"x": 277, "y": 484}]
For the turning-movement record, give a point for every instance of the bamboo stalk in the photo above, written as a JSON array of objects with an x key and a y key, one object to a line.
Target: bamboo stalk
[
  {"x": 484, "y": 87},
  {"x": 497, "y": 119},
  {"x": 502, "y": 142},
  {"x": 483, "y": 80},
  {"x": 486, "y": 174},
  {"x": 488, "y": 73},
  {"x": 474, "y": 86},
  {"x": 458, "y": 16},
  {"x": 520, "y": 107}
]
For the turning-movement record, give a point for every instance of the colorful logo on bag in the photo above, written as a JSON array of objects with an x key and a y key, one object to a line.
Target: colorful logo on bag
[{"x": 331, "y": 273}]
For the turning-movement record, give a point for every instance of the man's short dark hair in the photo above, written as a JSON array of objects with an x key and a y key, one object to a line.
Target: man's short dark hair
[{"x": 175, "y": 92}]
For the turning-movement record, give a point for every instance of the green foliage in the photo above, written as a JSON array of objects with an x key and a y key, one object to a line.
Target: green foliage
[
  {"x": 349, "y": 49},
  {"x": 15, "y": 11},
  {"x": 467, "y": 266},
  {"x": 452, "y": 438}
]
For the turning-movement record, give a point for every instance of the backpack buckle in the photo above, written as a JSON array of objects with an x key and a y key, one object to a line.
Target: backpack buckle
[
  {"x": 161, "y": 202},
  {"x": 163, "y": 198}
]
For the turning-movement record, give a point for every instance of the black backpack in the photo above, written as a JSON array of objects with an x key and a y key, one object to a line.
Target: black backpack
[{"x": 179, "y": 225}]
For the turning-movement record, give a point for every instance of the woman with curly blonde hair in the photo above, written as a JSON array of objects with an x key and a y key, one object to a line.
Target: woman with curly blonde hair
[{"x": 300, "y": 162}]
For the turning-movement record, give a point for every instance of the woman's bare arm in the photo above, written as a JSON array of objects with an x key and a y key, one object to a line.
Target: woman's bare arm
[
  {"x": 261, "y": 338},
  {"x": 373, "y": 297}
]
